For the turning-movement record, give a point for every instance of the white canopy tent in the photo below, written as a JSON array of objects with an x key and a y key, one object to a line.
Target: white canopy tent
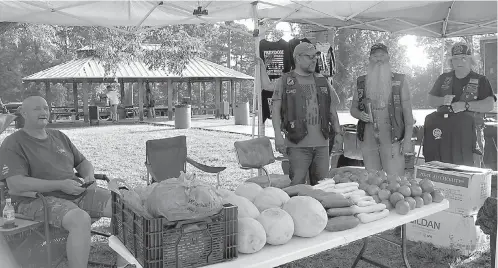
[{"x": 426, "y": 18}]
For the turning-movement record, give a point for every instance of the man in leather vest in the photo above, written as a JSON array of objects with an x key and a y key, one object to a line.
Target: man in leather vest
[
  {"x": 463, "y": 90},
  {"x": 383, "y": 107},
  {"x": 304, "y": 109}
]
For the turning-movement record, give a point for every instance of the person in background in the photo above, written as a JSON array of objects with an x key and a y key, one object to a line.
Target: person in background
[
  {"x": 463, "y": 90},
  {"x": 113, "y": 97},
  {"x": 304, "y": 108},
  {"x": 383, "y": 107}
]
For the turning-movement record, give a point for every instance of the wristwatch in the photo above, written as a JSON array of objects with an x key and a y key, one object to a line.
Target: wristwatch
[{"x": 467, "y": 106}]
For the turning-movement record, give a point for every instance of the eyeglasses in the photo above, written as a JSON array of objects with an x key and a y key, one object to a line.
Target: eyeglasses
[{"x": 311, "y": 57}]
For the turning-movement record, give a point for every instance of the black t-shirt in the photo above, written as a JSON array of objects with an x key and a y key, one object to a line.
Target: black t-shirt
[
  {"x": 276, "y": 56},
  {"x": 443, "y": 143},
  {"x": 484, "y": 90}
]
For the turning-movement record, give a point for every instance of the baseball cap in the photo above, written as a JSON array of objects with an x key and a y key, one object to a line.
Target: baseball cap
[
  {"x": 304, "y": 48},
  {"x": 378, "y": 46},
  {"x": 460, "y": 49}
]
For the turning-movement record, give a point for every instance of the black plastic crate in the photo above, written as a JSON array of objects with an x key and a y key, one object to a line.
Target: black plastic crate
[{"x": 159, "y": 243}]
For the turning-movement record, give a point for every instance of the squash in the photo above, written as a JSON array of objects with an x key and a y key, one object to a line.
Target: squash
[
  {"x": 251, "y": 236},
  {"x": 278, "y": 224},
  {"x": 309, "y": 216},
  {"x": 277, "y": 181},
  {"x": 296, "y": 189},
  {"x": 248, "y": 190},
  {"x": 271, "y": 197},
  {"x": 245, "y": 208},
  {"x": 341, "y": 223}
]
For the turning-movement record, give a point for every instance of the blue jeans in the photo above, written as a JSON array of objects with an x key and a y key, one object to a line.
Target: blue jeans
[{"x": 302, "y": 160}]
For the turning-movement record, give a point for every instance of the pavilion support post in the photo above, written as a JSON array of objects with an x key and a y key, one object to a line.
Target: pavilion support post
[
  {"x": 230, "y": 96},
  {"x": 122, "y": 92},
  {"x": 177, "y": 92},
  {"x": 86, "y": 89},
  {"x": 217, "y": 96},
  {"x": 199, "y": 99},
  {"x": 140, "y": 100},
  {"x": 204, "y": 95},
  {"x": 189, "y": 87},
  {"x": 75, "y": 99},
  {"x": 169, "y": 90},
  {"x": 48, "y": 98}
]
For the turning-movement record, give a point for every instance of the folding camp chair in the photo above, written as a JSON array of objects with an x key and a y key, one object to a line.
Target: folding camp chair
[
  {"x": 256, "y": 154},
  {"x": 165, "y": 158},
  {"x": 37, "y": 243}
]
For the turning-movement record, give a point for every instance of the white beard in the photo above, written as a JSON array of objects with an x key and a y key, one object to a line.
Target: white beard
[{"x": 378, "y": 84}]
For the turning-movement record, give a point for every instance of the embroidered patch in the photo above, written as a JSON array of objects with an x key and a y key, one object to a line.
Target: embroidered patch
[
  {"x": 360, "y": 93},
  {"x": 437, "y": 133},
  {"x": 290, "y": 81},
  {"x": 457, "y": 50},
  {"x": 292, "y": 124},
  {"x": 396, "y": 83},
  {"x": 397, "y": 99},
  {"x": 471, "y": 88},
  {"x": 446, "y": 83},
  {"x": 323, "y": 90},
  {"x": 5, "y": 170},
  {"x": 474, "y": 81},
  {"x": 290, "y": 91}
]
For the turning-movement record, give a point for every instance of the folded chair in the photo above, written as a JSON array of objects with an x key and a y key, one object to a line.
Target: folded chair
[
  {"x": 37, "y": 244},
  {"x": 256, "y": 154},
  {"x": 165, "y": 158}
]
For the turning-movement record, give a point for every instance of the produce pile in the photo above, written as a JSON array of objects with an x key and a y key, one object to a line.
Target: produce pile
[
  {"x": 398, "y": 193},
  {"x": 270, "y": 215}
]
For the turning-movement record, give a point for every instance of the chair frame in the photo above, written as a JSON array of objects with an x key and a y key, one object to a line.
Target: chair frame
[
  {"x": 47, "y": 235},
  {"x": 262, "y": 167},
  {"x": 202, "y": 167}
]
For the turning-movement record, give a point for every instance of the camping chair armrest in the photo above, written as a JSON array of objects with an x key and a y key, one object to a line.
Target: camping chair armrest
[
  {"x": 25, "y": 194},
  {"x": 205, "y": 168},
  {"x": 281, "y": 158},
  {"x": 101, "y": 177}
]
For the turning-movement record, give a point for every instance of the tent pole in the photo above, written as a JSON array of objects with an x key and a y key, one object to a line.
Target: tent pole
[
  {"x": 443, "y": 43},
  {"x": 257, "y": 78}
]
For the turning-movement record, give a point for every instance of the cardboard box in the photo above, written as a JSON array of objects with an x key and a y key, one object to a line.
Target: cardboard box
[
  {"x": 448, "y": 230},
  {"x": 465, "y": 187}
]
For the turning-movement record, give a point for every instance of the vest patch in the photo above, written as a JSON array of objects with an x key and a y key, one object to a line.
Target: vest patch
[
  {"x": 323, "y": 90},
  {"x": 447, "y": 82},
  {"x": 396, "y": 83},
  {"x": 290, "y": 81},
  {"x": 397, "y": 99},
  {"x": 290, "y": 91},
  {"x": 474, "y": 81}
]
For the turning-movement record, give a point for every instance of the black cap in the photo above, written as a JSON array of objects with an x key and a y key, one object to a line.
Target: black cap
[
  {"x": 460, "y": 49},
  {"x": 378, "y": 46}
]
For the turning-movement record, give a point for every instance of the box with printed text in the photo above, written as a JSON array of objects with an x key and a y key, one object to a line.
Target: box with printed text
[
  {"x": 465, "y": 187},
  {"x": 448, "y": 230}
]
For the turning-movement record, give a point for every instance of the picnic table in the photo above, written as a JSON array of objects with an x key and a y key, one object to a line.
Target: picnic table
[{"x": 298, "y": 247}]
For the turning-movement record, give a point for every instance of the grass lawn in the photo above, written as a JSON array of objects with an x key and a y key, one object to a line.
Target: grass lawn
[{"x": 119, "y": 152}]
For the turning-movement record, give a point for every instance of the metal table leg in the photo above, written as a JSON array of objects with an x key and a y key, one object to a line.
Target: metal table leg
[{"x": 402, "y": 245}]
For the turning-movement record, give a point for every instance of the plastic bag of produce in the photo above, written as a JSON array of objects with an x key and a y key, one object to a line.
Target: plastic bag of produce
[
  {"x": 183, "y": 199},
  {"x": 131, "y": 197}
]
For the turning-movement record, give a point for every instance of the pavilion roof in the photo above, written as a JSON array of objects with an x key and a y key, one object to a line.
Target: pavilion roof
[{"x": 91, "y": 69}]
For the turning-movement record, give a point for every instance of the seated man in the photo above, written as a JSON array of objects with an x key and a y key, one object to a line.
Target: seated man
[{"x": 43, "y": 160}]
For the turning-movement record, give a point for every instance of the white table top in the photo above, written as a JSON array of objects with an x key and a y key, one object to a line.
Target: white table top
[{"x": 298, "y": 248}]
